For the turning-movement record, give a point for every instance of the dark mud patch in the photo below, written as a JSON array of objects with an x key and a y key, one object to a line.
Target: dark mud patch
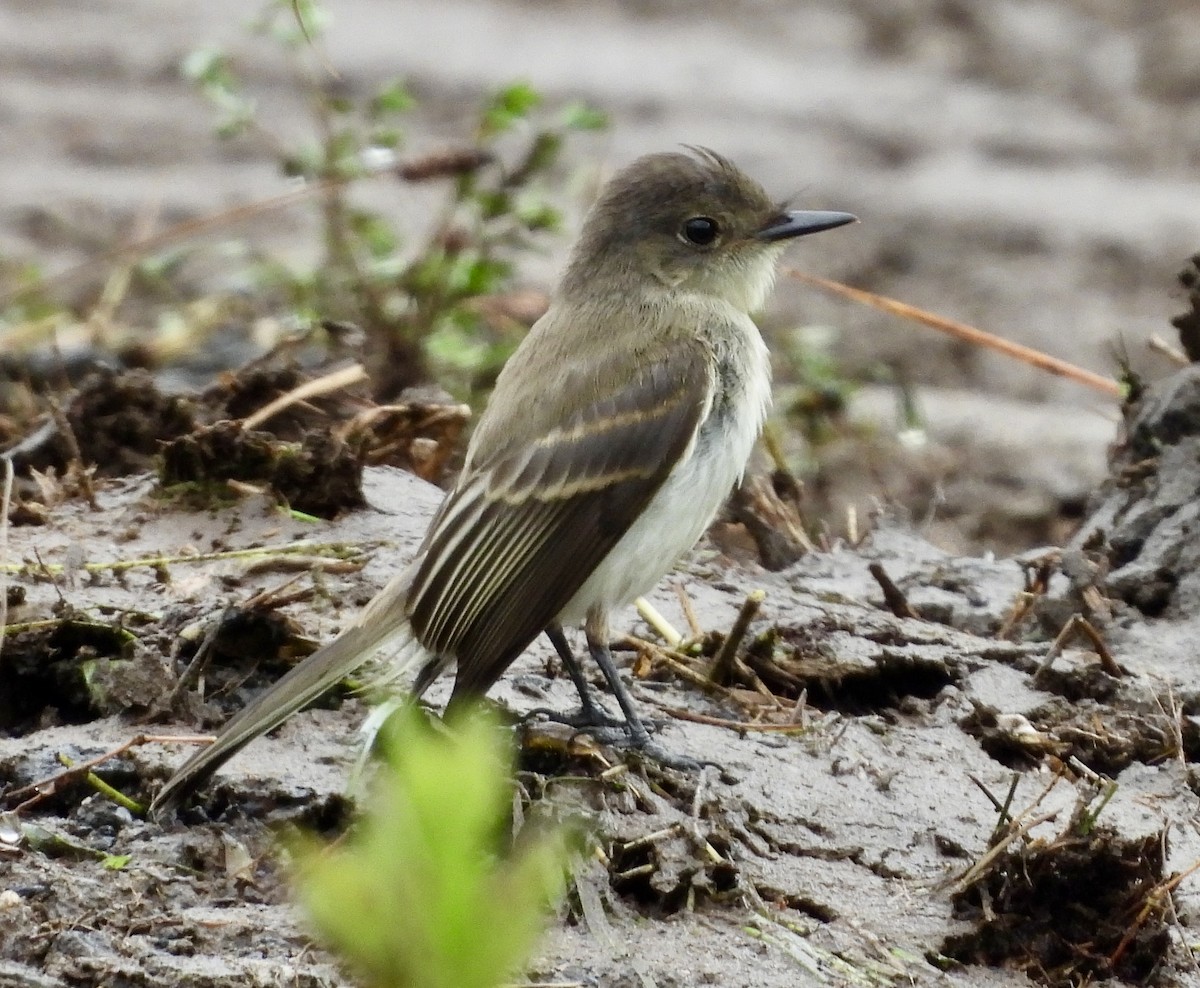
[
  {"x": 270, "y": 427},
  {"x": 1071, "y": 912},
  {"x": 320, "y": 476},
  {"x": 51, "y": 675},
  {"x": 661, "y": 874},
  {"x": 113, "y": 423},
  {"x": 233, "y": 652},
  {"x": 888, "y": 669},
  {"x": 891, "y": 683},
  {"x": 1105, "y": 740}
]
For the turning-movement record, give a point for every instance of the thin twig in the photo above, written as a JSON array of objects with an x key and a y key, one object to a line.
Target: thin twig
[
  {"x": 675, "y": 662},
  {"x": 195, "y": 668},
  {"x": 318, "y": 50},
  {"x": 1075, "y": 625},
  {"x": 1149, "y": 902},
  {"x": 1001, "y": 808},
  {"x": 5, "y": 506},
  {"x": 1021, "y": 607},
  {"x": 111, "y": 793},
  {"x": 54, "y": 782},
  {"x": 852, "y": 535},
  {"x": 650, "y": 614},
  {"x": 1168, "y": 350},
  {"x": 972, "y": 874},
  {"x": 962, "y": 331},
  {"x": 1107, "y": 661},
  {"x": 689, "y": 612},
  {"x": 63, "y": 424},
  {"x": 733, "y": 725},
  {"x": 722, "y": 665},
  {"x": 333, "y": 381},
  {"x": 799, "y": 712},
  {"x": 893, "y": 596}
]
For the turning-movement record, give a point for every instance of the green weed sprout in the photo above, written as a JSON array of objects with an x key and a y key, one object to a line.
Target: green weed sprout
[
  {"x": 430, "y": 889},
  {"x": 415, "y": 295}
]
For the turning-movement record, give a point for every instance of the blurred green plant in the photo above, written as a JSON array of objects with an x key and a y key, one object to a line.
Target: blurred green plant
[
  {"x": 417, "y": 302},
  {"x": 816, "y": 389},
  {"x": 429, "y": 890}
]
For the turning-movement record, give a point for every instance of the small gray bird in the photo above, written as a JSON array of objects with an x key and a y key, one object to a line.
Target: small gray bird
[{"x": 615, "y": 432}]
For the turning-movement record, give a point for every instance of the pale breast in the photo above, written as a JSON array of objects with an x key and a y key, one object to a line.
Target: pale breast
[{"x": 694, "y": 491}]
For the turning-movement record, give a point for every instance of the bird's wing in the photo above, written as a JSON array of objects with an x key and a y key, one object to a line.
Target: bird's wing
[{"x": 525, "y": 527}]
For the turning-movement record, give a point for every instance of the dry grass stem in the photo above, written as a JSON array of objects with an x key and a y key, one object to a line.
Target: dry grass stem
[
  {"x": 977, "y": 337},
  {"x": 328, "y": 383},
  {"x": 893, "y": 596},
  {"x": 1079, "y": 625},
  {"x": 723, "y": 662},
  {"x": 662, "y": 627},
  {"x": 689, "y": 612},
  {"x": 1021, "y": 607}
]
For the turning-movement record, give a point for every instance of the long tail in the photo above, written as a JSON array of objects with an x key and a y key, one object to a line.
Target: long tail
[{"x": 382, "y": 619}]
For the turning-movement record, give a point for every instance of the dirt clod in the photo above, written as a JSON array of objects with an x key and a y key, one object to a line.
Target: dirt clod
[
  {"x": 117, "y": 420},
  {"x": 47, "y": 674},
  {"x": 1188, "y": 323},
  {"x": 1144, "y": 515},
  {"x": 1071, "y": 912},
  {"x": 321, "y": 476}
]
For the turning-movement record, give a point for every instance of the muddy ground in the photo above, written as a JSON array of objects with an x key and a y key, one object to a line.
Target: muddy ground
[
  {"x": 863, "y": 762},
  {"x": 1030, "y": 166}
]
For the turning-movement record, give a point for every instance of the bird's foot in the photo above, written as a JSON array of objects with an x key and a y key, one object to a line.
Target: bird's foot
[
  {"x": 594, "y": 719},
  {"x": 656, "y": 753},
  {"x": 614, "y": 732}
]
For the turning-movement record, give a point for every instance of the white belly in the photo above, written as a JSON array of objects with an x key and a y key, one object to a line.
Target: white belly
[{"x": 689, "y": 498}]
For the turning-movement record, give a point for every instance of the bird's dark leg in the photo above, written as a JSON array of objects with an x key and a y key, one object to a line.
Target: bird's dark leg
[
  {"x": 591, "y": 714},
  {"x": 592, "y": 711},
  {"x": 596, "y": 630}
]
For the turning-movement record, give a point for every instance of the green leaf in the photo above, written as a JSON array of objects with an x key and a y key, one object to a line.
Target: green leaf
[
  {"x": 493, "y": 203},
  {"x": 385, "y": 137},
  {"x": 518, "y": 99},
  {"x": 426, "y": 892},
  {"x": 209, "y": 66},
  {"x": 338, "y": 104},
  {"x": 536, "y": 215},
  {"x": 472, "y": 274},
  {"x": 294, "y": 24},
  {"x": 509, "y": 106},
  {"x": 304, "y": 162},
  {"x": 542, "y": 154},
  {"x": 394, "y": 97},
  {"x": 581, "y": 116},
  {"x": 115, "y": 862},
  {"x": 374, "y": 232}
]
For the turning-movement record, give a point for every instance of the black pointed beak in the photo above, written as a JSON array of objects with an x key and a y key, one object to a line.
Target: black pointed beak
[{"x": 801, "y": 222}]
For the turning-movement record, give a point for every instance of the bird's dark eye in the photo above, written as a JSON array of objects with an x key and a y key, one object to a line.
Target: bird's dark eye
[{"x": 700, "y": 230}]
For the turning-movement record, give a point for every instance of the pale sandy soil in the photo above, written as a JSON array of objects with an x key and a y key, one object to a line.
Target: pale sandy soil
[{"x": 1030, "y": 166}]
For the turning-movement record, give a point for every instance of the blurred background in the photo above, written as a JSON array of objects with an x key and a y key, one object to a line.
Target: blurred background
[{"x": 1029, "y": 166}]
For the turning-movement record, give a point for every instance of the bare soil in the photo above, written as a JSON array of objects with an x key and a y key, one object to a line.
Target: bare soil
[
  {"x": 863, "y": 763},
  {"x": 1030, "y": 166}
]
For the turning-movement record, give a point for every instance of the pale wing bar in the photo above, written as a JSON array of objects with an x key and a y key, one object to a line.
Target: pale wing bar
[{"x": 495, "y": 573}]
